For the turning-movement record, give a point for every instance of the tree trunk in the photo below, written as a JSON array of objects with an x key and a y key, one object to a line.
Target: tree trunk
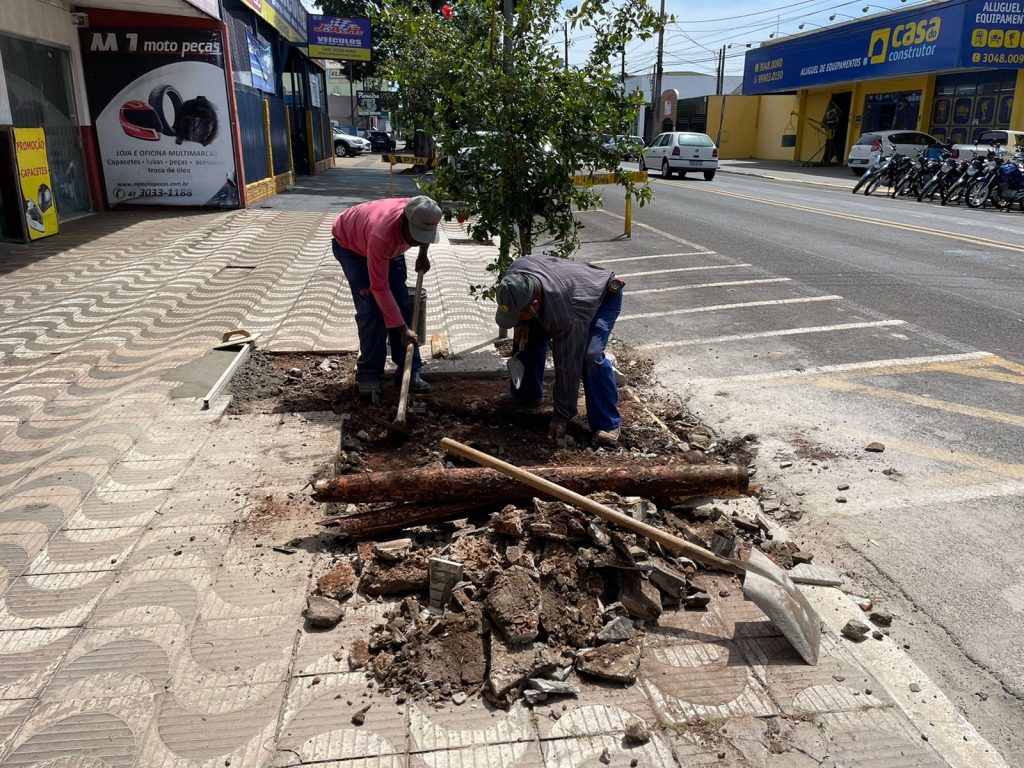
[
  {"x": 375, "y": 523},
  {"x": 481, "y": 485}
]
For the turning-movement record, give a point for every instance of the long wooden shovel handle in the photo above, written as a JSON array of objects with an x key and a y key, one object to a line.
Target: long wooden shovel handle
[
  {"x": 609, "y": 514},
  {"x": 403, "y": 397}
]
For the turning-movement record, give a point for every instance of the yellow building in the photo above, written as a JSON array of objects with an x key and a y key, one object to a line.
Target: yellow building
[{"x": 951, "y": 69}]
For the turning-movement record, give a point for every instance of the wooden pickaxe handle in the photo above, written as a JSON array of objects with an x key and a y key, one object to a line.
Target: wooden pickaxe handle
[{"x": 403, "y": 397}]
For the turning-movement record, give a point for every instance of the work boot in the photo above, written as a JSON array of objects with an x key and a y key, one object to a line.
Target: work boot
[
  {"x": 416, "y": 384},
  {"x": 606, "y": 436},
  {"x": 369, "y": 389},
  {"x": 508, "y": 400}
]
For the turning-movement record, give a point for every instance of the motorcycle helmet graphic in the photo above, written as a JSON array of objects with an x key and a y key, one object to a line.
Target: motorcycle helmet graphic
[
  {"x": 34, "y": 217},
  {"x": 140, "y": 121},
  {"x": 148, "y": 120},
  {"x": 197, "y": 121},
  {"x": 44, "y": 198}
]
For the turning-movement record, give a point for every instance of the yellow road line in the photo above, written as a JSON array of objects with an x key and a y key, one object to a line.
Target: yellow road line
[
  {"x": 924, "y": 402},
  {"x": 973, "y": 239}
]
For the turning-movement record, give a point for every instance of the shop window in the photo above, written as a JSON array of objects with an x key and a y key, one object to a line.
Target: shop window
[
  {"x": 969, "y": 103},
  {"x": 891, "y": 111},
  {"x": 38, "y": 79}
]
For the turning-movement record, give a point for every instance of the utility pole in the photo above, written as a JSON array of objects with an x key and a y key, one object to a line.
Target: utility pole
[
  {"x": 658, "y": 71},
  {"x": 351, "y": 95},
  {"x": 720, "y": 78},
  {"x": 623, "y": 69},
  {"x": 565, "y": 30}
]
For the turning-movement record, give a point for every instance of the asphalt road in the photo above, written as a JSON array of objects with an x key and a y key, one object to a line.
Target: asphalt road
[{"x": 823, "y": 321}]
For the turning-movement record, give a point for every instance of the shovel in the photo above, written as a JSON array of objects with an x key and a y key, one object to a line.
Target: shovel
[
  {"x": 516, "y": 369},
  {"x": 766, "y": 585}
]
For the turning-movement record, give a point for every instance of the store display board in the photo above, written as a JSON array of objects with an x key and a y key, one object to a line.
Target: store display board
[
  {"x": 34, "y": 180},
  {"x": 159, "y": 101}
]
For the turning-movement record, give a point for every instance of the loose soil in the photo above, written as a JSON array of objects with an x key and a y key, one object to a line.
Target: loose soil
[{"x": 576, "y": 578}]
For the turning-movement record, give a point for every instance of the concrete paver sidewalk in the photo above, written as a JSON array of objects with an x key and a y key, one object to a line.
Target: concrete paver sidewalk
[{"x": 147, "y": 621}]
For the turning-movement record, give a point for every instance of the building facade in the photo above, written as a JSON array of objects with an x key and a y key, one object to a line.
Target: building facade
[
  {"x": 952, "y": 69},
  {"x": 120, "y": 103}
]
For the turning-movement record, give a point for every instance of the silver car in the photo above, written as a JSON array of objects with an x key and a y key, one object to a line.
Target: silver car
[
  {"x": 682, "y": 153},
  {"x": 906, "y": 143}
]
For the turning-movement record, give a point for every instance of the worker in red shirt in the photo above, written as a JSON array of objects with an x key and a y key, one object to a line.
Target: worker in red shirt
[{"x": 369, "y": 241}]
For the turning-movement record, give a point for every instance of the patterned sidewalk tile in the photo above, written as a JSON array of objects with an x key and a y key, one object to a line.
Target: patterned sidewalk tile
[
  {"x": 101, "y": 731},
  {"x": 29, "y": 658},
  {"x": 102, "y": 510},
  {"x": 317, "y": 722},
  {"x": 52, "y": 601}
]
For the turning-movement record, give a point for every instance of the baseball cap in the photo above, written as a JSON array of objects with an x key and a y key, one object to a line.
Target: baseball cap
[
  {"x": 423, "y": 215},
  {"x": 514, "y": 292}
]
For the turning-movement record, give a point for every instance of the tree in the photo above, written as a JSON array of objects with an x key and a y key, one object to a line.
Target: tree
[{"x": 514, "y": 123}]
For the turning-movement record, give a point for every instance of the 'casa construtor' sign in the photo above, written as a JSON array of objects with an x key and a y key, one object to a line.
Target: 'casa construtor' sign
[{"x": 927, "y": 38}]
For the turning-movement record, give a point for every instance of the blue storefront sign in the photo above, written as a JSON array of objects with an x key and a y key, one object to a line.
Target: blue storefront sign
[
  {"x": 344, "y": 39},
  {"x": 952, "y": 35}
]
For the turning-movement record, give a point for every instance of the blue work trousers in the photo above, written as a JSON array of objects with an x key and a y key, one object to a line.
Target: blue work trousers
[
  {"x": 374, "y": 336},
  {"x": 602, "y": 395}
]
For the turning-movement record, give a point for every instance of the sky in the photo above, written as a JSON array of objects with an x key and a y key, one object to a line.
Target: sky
[{"x": 701, "y": 28}]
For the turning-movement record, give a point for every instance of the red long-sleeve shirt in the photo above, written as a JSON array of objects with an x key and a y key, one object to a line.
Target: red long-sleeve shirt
[{"x": 374, "y": 230}]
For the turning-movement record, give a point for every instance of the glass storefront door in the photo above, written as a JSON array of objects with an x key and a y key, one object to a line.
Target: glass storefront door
[
  {"x": 967, "y": 104},
  {"x": 38, "y": 81},
  {"x": 891, "y": 111}
]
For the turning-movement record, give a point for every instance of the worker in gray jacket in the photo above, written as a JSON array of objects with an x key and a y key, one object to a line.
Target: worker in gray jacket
[{"x": 574, "y": 305}]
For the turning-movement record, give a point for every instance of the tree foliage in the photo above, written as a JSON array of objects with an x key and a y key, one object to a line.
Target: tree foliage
[{"x": 513, "y": 124}]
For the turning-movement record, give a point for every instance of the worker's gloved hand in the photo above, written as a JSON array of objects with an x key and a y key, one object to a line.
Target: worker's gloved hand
[
  {"x": 409, "y": 337},
  {"x": 422, "y": 262},
  {"x": 521, "y": 335},
  {"x": 557, "y": 429}
]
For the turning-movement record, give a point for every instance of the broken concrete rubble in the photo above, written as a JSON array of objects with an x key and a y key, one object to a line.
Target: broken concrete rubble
[
  {"x": 544, "y": 593},
  {"x": 512, "y": 605},
  {"x": 618, "y": 662},
  {"x": 617, "y": 630},
  {"x": 339, "y": 582},
  {"x": 323, "y": 612}
]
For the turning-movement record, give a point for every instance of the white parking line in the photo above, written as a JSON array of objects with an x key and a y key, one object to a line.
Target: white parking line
[
  {"x": 768, "y": 334},
  {"x": 740, "y": 305},
  {"x": 682, "y": 269},
  {"x": 710, "y": 285},
  {"x": 666, "y": 235},
  {"x": 655, "y": 256}
]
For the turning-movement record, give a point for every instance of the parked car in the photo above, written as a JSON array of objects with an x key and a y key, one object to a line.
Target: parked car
[
  {"x": 906, "y": 143},
  {"x": 681, "y": 152},
  {"x": 380, "y": 141},
  {"x": 629, "y": 147},
  {"x": 347, "y": 145},
  {"x": 998, "y": 141}
]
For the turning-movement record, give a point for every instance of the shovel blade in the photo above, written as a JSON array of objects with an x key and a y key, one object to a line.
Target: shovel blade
[
  {"x": 771, "y": 590},
  {"x": 515, "y": 371}
]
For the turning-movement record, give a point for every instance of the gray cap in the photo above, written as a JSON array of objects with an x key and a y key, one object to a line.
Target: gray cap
[
  {"x": 515, "y": 291},
  {"x": 423, "y": 216}
]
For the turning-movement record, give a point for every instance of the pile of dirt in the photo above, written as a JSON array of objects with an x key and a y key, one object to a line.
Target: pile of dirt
[
  {"x": 546, "y": 594},
  {"x": 472, "y": 411}
]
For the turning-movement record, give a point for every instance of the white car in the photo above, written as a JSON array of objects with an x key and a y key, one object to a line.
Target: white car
[
  {"x": 906, "y": 142},
  {"x": 347, "y": 145},
  {"x": 681, "y": 152}
]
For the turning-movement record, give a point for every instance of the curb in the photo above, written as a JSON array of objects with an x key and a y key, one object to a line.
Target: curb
[{"x": 788, "y": 179}]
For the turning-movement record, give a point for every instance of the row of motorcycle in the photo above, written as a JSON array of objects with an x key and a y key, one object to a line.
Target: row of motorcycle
[{"x": 992, "y": 177}]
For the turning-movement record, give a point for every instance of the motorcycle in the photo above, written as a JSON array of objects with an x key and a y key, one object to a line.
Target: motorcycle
[
  {"x": 888, "y": 170},
  {"x": 979, "y": 191},
  {"x": 948, "y": 172},
  {"x": 957, "y": 191},
  {"x": 1010, "y": 185},
  {"x": 912, "y": 180}
]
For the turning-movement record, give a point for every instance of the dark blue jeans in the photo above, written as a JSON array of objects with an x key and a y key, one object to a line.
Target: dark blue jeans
[
  {"x": 602, "y": 395},
  {"x": 374, "y": 336}
]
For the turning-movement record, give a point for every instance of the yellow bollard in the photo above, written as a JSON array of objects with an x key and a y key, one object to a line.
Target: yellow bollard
[{"x": 629, "y": 216}]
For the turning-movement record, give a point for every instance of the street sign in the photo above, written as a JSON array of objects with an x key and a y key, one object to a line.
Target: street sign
[{"x": 334, "y": 37}]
